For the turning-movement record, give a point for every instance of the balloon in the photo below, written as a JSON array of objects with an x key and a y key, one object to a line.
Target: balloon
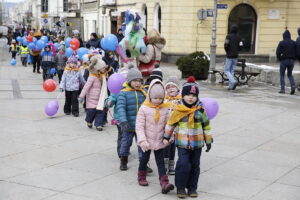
[
  {"x": 44, "y": 38},
  {"x": 49, "y": 85},
  {"x": 25, "y": 42},
  {"x": 85, "y": 58},
  {"x": 29, "y": 38},
  {"x": 69, "y": 52},
  {"x": 109, "y": 42},
  {"x": 211, "y": 107},
  {"x": 40, "y": 44},
  {"x": 13, "y": 62},
  {"x": 121, "y": 54},
  {"x": 115, "y": 83},
  {"x": 29, "y": 59},
  {"x": 51, "y": 108},
  {"x": 52, "y": 71},
  {"x": 74, "y": 44},
  {"x": 19, "y": 39},
  {"x": 31, "y": 46},
  {"x": 57, "y": 45},
  {"x": 35, "y": 40},
  {"x": 82, "y": 51},
  {"x": 53, "y": 48},
  {"x": 67, "y": 42}
]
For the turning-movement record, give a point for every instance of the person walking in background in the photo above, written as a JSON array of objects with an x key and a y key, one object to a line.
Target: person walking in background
[
  {"x": 61, "y": 61},
  {"x": 232, "y": 46},
  {"x": 13, "y": 49},
  {"x": 286, "y": 54},
  {"x": 94, "y": 41},
  {"x": 24, "y": 54},
  {"x": 298, "y": 51}
]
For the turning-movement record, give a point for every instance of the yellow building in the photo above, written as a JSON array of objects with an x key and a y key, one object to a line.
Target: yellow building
[{"x": 261, "y": 22}]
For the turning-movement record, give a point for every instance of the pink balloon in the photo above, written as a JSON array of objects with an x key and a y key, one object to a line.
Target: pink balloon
[
  {"x": 211, "y": 107},
  {"x": 51, "y": 108},
  {"x": 115, "y": 83}
]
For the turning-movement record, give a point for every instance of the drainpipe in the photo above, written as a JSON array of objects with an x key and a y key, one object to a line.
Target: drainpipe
[{"x": 213, "y": 45}]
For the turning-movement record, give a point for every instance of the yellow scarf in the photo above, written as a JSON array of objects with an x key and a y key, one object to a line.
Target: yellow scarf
[
  {"x": 76, "y": 69},
  {"x": 157, "y": 114},
  {"x": 181, "y": 111},
  {"x": 99, "y": 75},
  {"x": 128, "y": 89},
  {"x": 170, "y": 98},
  {"x": 106, "y": 73}
]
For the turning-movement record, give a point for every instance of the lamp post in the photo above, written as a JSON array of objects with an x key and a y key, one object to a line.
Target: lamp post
[{"x": 213, "y": 45}]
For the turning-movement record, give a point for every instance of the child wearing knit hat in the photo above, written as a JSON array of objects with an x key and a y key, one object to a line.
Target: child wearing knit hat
[
  {"x": 193, "y": 131},
  {"x": 129, "y": 101},
  {"x": 155, "y": 74},
  {"x": 61, "y": 61},
  {"x": 150, "y": 123},
  {"x": 172, "y": 99},
  {"x": 71, "y": 81}
]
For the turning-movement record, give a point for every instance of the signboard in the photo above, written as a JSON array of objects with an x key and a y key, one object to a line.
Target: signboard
[
  {"x": 45, "y": 16},
  {"x": 116, "y": 14},
  {"x": 210, "y": 12},
  {"x": 222, "y": 6},
  {"x": 273, "y": 14},
  {"x": 109, "y": 2}
]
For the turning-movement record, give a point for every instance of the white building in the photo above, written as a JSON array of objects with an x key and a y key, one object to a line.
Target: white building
[{"x": 89, "y": 13}]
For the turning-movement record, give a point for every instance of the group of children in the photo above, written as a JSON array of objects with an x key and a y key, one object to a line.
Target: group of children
[{"x": 160, "y": 116}]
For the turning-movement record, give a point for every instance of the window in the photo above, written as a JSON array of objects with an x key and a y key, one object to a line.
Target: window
[
  {"x": 44, "y": 5},
  {"x": 157, "y": 18},
  {"x": 144, "y": 17},
  {"x": 65, "y": 5}
]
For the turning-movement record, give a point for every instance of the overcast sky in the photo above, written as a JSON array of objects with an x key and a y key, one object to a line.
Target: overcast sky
[{"x": 15, "y": 1}]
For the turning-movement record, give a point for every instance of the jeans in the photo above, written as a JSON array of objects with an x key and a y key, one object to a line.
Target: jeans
[
  {"x": 119, "y": 140},
  {"x": 60, "y": 73},
  {"x": 71, "y": 102},
  {"x": 229, "y": 70},
  {"x": 169, "y": 151},
  {"x": 287, "y": 64},
  {"x": 159, "y": 158},
  {"x": 187, "y": 169},
  {"x": 24, "y": 61},
  {"x": 36, "y": 62},
  {"x": 94, "y": 115},
  {"x": 126, "y": 142}
]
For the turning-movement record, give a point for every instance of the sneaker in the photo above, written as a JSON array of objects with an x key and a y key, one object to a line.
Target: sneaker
[
  {"x": 181, "y": 193},
  {"x": 281, "y": 92},
  {"x": 99, "y": 128},
  {"x": 76, "y": 114},
  {"x": 234, "y": 85},
  {"x": 38, "y": 72},
  {"x": 90, "y": 125},
  {"x": 68, "y": 113},
  {"x": 293, "y": 90},
  {"x": 193, "y": 194}
]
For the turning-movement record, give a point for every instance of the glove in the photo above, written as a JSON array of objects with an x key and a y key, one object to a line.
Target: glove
[
  {"x": 124, "y": 127},
  {"x": 80, "y": 100},
  {"x": 166, "y": 142},
  {"x": 128, "y": 54},
  {"x": 208, "y": 147},
  {"x": 61, "y": 89},
  {"x": 144, "y": 146}
]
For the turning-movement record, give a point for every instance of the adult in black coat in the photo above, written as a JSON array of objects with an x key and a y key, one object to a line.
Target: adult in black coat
[
  {"x": 298, "y": 50},
  {"x": 232, "y": 46},
  {"x": 94, "y": 41},
  {"x": 286, "y": 53}
]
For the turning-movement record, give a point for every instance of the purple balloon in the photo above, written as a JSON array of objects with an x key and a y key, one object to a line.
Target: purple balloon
[
  {"x": 211, "y": 107},
  {"x": 51, "y": 108},
  {"x": 115, "y": 83}
]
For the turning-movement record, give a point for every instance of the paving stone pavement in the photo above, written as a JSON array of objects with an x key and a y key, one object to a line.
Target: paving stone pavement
[{"x": 255, "y": 156}]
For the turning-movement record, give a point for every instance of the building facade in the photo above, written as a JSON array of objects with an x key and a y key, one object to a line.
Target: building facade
[
  {"x": 261, "y": 22},
  {"x": 89, "y": 13}
]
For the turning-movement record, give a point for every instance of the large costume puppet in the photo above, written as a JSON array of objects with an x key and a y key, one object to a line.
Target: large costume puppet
[{"x": 132, "y": 45}]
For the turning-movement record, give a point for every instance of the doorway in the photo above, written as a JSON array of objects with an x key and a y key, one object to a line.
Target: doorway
[{"x": 245, "y": 17}]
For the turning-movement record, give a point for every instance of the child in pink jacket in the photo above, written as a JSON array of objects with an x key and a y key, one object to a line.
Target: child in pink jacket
[
  {"x": 92, "y": 91},
  {"x": 150, "y": 123}
]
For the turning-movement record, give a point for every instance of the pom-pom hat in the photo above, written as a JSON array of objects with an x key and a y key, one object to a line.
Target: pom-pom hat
[{"x": 190, "y": 87}]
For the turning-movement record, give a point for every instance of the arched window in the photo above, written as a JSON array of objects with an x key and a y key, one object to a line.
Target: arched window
[
  {"x": 144, "y": 17},
  {"x": 245, "y": 17},
  {"x": 157, "y": 18}
]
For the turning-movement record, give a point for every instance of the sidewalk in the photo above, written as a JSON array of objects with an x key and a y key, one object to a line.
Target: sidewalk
[{"x": 255, "y": 156}]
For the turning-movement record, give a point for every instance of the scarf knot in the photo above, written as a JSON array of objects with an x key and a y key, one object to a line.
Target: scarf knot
[{"x": 157, "y": 108}]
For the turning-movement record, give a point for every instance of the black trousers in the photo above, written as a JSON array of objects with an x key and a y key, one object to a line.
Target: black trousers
[
  {"x": 60, "y": 73},
  {"x": 36, "y": 62},
  {"x": 159, "y": 158},
  {"x": 71, "y": 102}
]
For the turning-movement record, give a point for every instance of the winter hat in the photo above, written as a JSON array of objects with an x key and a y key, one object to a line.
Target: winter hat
[
  {"x": 172, "y": 80},
  {"x": 156, "y": 73},
  {"x": 73, "y": 59},
  {"x": 97, "y": 63},
  {"x": 157, "y": 91},
  {"x": 190, "y": 87},
  {"x": 133, "y": 73}
]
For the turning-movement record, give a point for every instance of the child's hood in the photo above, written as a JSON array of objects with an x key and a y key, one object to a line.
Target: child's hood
[{"x": 153, "y": 82}]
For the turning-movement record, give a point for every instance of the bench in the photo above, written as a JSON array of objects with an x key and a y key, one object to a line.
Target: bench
[{"x": 241, "y": 75}]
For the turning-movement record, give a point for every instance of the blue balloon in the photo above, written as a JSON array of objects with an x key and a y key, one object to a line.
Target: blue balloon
[
  {"x": 67, "y": 42},
  {"x": 13, "y": 62},
  {"x": 57, "y": 45},
  {"x": 34, "y": 40},
  {"x": 25, "y": 33},
  {"x": 109, "y": 42},
  {"x": 31, "y": 46},
  {"x": 69, "y": 52},
  {"x": 29, "y": 59},
  {"x": 81, "y": 51},
  {"x": 19, "y": 39},
  {"x": 44, "y": 38},
  {"x": 40, "y": 44},
  {"x": 52, "y": 71},
  {"x": 25, "y": 42}
]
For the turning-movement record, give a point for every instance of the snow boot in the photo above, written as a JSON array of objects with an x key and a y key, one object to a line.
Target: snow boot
[
  {"x": 165, "y": 185},
  {"x": 142, "y": 178}
]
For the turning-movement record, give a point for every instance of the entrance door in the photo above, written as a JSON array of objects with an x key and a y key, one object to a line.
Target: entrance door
[{"x": 245, "y": 17}]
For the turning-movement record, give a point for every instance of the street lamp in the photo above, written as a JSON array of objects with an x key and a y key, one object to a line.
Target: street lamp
[{"x": 213, "y": 45}]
